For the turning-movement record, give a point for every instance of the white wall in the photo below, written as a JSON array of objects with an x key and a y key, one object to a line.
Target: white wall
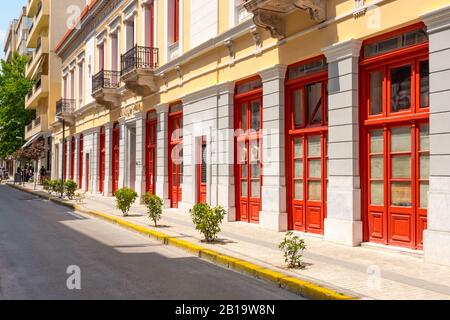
[
  {"x": 89, "y": 70},
  {"x": 204, "y": 21}
]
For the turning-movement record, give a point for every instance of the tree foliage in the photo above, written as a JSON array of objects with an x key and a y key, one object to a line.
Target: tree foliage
[{"x": 13, "y": 116}]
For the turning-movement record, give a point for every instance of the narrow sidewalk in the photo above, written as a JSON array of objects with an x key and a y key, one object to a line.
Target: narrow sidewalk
[{"x": 364, "y": 272}]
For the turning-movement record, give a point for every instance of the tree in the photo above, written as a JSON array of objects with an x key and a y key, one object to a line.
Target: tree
[
  {"x": 36, "y": 152},
  {"x": 13, "y": 116}
]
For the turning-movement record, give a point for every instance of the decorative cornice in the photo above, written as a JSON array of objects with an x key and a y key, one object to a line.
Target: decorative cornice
[
  {"x": 437, "y": 20},
  {"x": 343, "y": 50},
  {"x": 276, "y": 72}
]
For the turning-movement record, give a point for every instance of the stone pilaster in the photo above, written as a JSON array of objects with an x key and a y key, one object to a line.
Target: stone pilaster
[
  {"x": 140, "y": 154},
  {"x": 108, "y": 159},
  {"x": 437, "y": 237},
  {"x": 76, "y": 175},
  {"x": 122, "y": 153},
  {"x": 343, "y": 223},
  {"x": 273, "y": 214},
  {"x": 162, "y": 162},
  {"x": 94, "y": 158}
]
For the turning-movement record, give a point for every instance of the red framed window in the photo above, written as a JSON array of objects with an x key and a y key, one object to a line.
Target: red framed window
[
  {"x": 176, "y": 20},
  {"x": 306, "y": 154},
  {"x": 175, "y": 153},
  {"x": 150, "y": 154},
  {"x": 395, "y": 131},
  {"x": 248, "y": 145}
]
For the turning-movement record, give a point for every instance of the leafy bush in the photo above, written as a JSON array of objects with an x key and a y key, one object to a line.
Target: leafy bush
[
  {"x": 207, "y": 220},
  {"x": 47, "y": 185},
  {"x": 154, "y": 205},
  {"x": 125, "y": 197},
  {"x": 70, "y": 188},
  {"x": 293, "y": 248},
  {"x": 57, "y": 187}
]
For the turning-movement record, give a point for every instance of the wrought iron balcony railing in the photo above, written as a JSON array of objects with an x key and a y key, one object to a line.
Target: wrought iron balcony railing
[
  {"x": 139, "y": 58},
  {"x": 65, "y": 107},
  {"x": 105, "y": 79}
]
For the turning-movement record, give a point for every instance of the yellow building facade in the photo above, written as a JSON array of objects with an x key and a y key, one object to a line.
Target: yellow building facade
[{"x": 324, "y": 117}]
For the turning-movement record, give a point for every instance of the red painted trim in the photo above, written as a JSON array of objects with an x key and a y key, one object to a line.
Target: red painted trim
[
  {"x": 394, "y": 33},
  {"x": 150, "y": 154},
  {"x": 80, "y": 161},
  {"x": 175, "y": 120}
]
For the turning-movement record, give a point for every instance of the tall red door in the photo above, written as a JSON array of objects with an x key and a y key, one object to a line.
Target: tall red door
[
  {"x": 201, "y": 172},
  {"x": 101, "y": 167},
  {"x": 150, "y": 154},
  {"x": 72, "y": 159},
  {"x": 248, "y": 169},
  {"x": 88, "y": 172},
  {"x": 307, "y": 124},
  {"x": 395, "y": 144},
  {"x": 64, "y": 163},
  {"x": 115, "y": 158},
  {"x": 175, "y": 154},
  {"x": 80, "y": 161}
]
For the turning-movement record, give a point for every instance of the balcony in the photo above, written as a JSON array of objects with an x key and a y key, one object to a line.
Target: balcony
[
  {"x": 269, "y": 14},
  {"x": 105, "y": 86},
  {"x": 137, "y": 70},
  {"x": 65, "y": 109},
  {"x": 35, "y": 127},
  {"x": 42, "y": 49},
  {"x": 38, "y": 92},
  {"x": 39, "y": 23}
]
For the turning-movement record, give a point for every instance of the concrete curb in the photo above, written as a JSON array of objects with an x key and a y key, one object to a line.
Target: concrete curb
[{"x": 295, "y": 285}]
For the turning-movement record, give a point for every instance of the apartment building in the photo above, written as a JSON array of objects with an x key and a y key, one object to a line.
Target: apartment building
[
  {"x": 10, "y": 42},
  {"x": 48, "y": 23},
  {"x": 323, "y": 117}
]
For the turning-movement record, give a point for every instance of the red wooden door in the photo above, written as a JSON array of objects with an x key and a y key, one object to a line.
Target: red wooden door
[
  {"x": 175, "y": 155},
  {"x": 101, "y": 165},
  {"x": 248, "y": 169},
  {"x": 395, "y": 171},
  {"x": 201, "y": 172},
  {"x": 115, "y": 158},
  {"x": 150, "y": 154},
  {"x": 64, "y": 163},
  {"x": 72, "y": 159},
  {"x": 80, "y": 161},
  {"x": 88, "y": 167},
  {"x": 307, "y": 127}
]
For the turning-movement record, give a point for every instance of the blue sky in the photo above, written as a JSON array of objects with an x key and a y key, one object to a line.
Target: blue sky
[{"x": 9, "y": 10}]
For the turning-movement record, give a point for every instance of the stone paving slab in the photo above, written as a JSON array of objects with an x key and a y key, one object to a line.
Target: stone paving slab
[{"x": 367, "y": 272}]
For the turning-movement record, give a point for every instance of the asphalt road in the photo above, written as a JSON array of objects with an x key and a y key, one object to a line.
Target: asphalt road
[{"x": 40, "y": 240}]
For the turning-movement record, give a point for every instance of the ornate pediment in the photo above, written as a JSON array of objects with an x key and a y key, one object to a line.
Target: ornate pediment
[{"x": 269, "y": 14}]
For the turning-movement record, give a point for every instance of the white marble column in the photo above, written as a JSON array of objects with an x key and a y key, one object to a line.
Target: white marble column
[
  {"x": 140, "y": 154},
  {"x": 162, "y": 163},
  {"x": 122, "y": 153},
  {"x": 108, "y": 159},
  {"x": 343, "y": 223},
  {"x": 437, "y": 237},
  {"x": 94, "y": 158},
  {"x": 273, "y": 214}
]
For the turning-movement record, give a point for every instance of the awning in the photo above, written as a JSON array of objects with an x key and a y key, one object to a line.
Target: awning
[{"x": 32, "y": 139}]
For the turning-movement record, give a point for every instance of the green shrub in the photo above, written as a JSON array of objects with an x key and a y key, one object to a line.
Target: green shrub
[
  {"x": 47, "y": 185},
  {"x": 125, "y": 197},
  {"x": 207, "y": 220},
  {"x": 58, "y": 187},
  {"x": 70, "y": 188},
  {"x": 154, "y": 205},
  {"x": 293, "y": 248}
]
